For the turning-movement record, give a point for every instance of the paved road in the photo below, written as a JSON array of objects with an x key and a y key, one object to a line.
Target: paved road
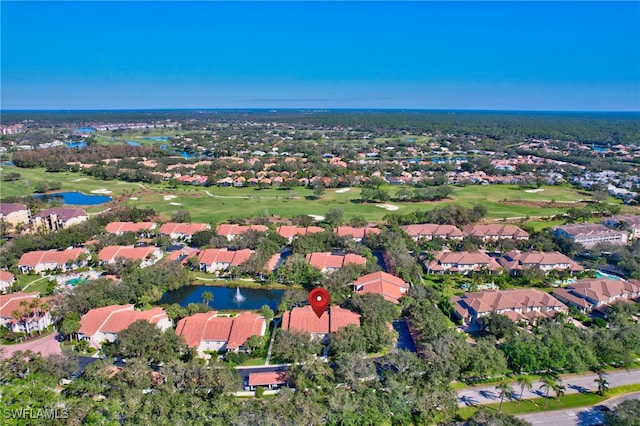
[
  {"x": 48, "y": 345},
  {"x": 487, "y": 394},
  {"x": 587, "y": 416}
]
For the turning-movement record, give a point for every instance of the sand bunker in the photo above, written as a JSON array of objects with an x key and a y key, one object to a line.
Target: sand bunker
[
  {"x": 389, "y": 207},
  {"x": 343, "y": 190},
  {"x": 101, "y": 191},
  {"x": 133, "y": 198},
  {"x": 533, "y": 191},
  {"x": 79, "y": 179},
  {"x": 175, "y": 204},
  {"x": 169, "y": 197},
  {"x": 316, "y": 217}
]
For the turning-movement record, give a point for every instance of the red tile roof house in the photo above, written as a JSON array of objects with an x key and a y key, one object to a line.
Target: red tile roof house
[
  {"x": 103, "y": 324},
  {"x": 356, "y": 234},
  {"x": 429, "y": 230},
  {"x": 495, "y": 232},
  {"x": 14, "y": 214},
  {"x": 388, "y": 286},
  {"x": 31, "y": 320},
  {"x": 146, "y": 255},
  {"x": 51, "y": 260},
  {"x": 304, "y": 319},
  {"x": 6, "y": 281},
  {"x": 516, "y": 262},
  {"x": 182, "y": 231},
  {"x": 462, "y": 262},
  {"x": 58, "y": 218},
  {"x": 269, "y": 379},
  {"x": 328, "y": 262},
  {"x": 216, "y": 260},
  {"x": 290, "y": 232},
  {"x": 591, "y": 294},
  {"x": 517, "y": 304},
  {"x": 590, "y": 234},
  {"x": 211, "y": 332},
  {"x": 140, "y": 228},
  {"x": 231, "y": 231}
]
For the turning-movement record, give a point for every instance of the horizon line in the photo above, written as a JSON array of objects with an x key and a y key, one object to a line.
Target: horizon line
[{"x": 315, "y": 109}]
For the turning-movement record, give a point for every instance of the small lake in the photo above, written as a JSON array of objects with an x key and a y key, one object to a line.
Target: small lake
[
  {"x": 156, "y": 138},
  {"x": 133, "y": 143},
  {"x": 74, "y": 198},
  {"x": 225, "y": 297}
]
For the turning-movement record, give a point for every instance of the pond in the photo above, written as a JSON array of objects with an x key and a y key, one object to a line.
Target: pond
[
  {"x": 156, "y": 138},
  {"x": 225, "y": 297},
  {"x": 75, "y": 198}
]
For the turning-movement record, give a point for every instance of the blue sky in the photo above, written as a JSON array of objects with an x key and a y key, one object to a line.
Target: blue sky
[{"x": 568, "y": 56}]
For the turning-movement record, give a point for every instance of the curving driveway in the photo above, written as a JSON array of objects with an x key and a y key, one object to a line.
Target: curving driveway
[{"x": 45, "y": 346}]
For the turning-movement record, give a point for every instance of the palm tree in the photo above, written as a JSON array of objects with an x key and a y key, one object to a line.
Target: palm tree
[
  {"x": 603, "y": 383},
  {"x": 25, "y": 316},
  {"x": 525, "y": 381},
  {"x": 207, "y": 297},
  {"x": 551, "y": 382},
  {"x": 506, "y": 391}
]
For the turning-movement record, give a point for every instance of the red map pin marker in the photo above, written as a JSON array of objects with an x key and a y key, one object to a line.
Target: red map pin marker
[{"x": 319, "y": 299}]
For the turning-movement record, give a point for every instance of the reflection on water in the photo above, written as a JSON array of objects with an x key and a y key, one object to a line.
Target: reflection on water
[{"x": 225, "y": 297}]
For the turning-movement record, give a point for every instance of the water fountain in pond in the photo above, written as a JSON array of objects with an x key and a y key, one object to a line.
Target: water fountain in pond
[{"x": 238, "y": 297}]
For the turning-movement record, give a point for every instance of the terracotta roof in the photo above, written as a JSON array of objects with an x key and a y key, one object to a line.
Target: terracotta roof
[
  {"x": 461, "y": 258},
  {"x": 349, "y": 231},
  {"x": 267, "y": 378},
  {"x": 519, "y": 260},
  {"x": 289, "y": 231},
  {"x": 115, "y": 318},
  {"x": 232, "y": 257},
  {"x": 272, "y": 263},
  {"x": 8, "y": 208},
  {"x": 63, "y": 213},
  {"x": 305, "y": 320},
  {"x": 210, "y": 327},
  {"x": 111, "y": 253},
  {"x": 6, "y": 276},
  {"x": 245, "y": 325},
  {"x": 565, "y": 294},
  {"x": 183, "y": 228},
  {"x": 232, "y": 230},
  {"x": 388, "y": 286},
  {"x": 579, "y": 230},
  {"x": 514, "y": 299},
  {"x": 121, "y": 227},
  {"x": 183, "y": 254},
  {"x": 334, "y": 261},
  {"x": 495, "y": 230},
  {"x": 432, "y": 230},
  {"x": 91, "y": 322},
  {"x": 59, "y": 257},
  {"x": 603, "y": 289},
  {"x": 11, "y": 302}
]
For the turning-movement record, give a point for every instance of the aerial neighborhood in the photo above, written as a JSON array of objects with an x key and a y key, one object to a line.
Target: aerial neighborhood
[{"x": 199, "y": 243}]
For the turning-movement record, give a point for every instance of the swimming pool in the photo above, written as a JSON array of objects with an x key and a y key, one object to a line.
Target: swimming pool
[
  {"x": 73, "y": 281},
  {"x": 600, "y": 274}
]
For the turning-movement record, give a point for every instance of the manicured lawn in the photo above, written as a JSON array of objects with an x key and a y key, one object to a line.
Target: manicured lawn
[
  {"x": 32, "y": 283},
  {"x": 253, "y": 362},
  {"x": 29, "y": 178},
  {"x": 215, "y": 204}
]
